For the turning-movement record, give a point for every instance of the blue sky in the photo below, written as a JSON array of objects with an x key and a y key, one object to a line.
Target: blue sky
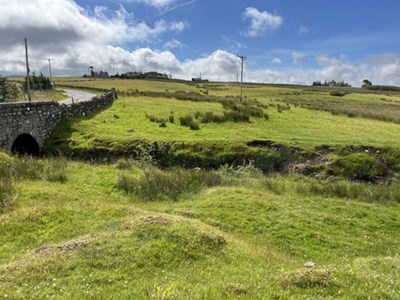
[{"x": 284, "y": 40}]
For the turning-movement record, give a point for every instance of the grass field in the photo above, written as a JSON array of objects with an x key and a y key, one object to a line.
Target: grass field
[
  {"x": 236, "y": 228},
  {"x": 246, "y": 237},
  {"x": 297, "y": 126}
]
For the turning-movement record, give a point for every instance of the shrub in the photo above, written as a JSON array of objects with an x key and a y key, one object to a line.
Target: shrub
[
  {"x": 186, "y": 121},
  {"x": 338, "y": 93},
  {"x": 194, "y": 126},
  {"x": 237, "y": 117},
  {"x": 197, "y": 114}
]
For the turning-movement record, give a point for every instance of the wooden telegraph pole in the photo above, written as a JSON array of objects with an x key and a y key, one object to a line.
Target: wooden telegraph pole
[
  {"x": 27, "y": 70},
  {"x": 242, "y": 58}
]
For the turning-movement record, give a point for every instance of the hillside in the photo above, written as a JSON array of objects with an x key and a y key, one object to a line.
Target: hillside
[{"x": 299, "y": 201}]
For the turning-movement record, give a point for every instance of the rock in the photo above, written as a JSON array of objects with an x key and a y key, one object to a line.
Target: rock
[
  {"x": 310, "y": 264},
  {"x": 131, "y": 130}
]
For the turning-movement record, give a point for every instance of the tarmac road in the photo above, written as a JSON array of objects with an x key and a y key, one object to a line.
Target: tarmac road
[{"x": 77, "y": 96}]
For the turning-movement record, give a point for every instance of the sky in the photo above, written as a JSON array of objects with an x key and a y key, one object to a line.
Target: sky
[{"x": 284, "y": 41}]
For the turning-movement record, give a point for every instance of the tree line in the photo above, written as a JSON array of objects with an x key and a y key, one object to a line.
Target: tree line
[
  {"x": 141, "y": 75},
  {"x": 331, "y": 83},
  {"x": 13, "y": 90}
]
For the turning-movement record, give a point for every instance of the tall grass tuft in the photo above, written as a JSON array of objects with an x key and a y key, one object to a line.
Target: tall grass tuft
[
  {"x": 6, "y": 182},
  {"x": 156, "y": 184},
  {"x": 55, "y": 170},
  {"x": 245, "y": 170},
  {"x": 52, "y": 169},
  {"x": 361, "y": 191},
  {"x": 27, "y": 167}
]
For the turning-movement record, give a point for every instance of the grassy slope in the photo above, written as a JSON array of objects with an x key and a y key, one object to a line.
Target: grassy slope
[
  {"x": 84, "y": 238},
  {"x": 297, "y": 126}
]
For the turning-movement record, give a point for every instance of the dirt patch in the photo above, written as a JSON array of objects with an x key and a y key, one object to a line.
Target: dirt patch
[
  {"x": 64, "y": 248},
  {"x": 153, "y": 220},
  {"x": 188, "y": 214},
  {"x": 237, "y": 289}
]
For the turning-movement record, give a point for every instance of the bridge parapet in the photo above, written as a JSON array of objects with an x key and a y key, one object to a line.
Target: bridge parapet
[
  {"x": 25, "y": 126},
  {"x": 37, "y": 119}
]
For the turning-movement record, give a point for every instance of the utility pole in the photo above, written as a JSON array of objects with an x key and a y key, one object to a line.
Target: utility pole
[
  {"x": 242, "y": 58},
  {"x": 27, "y": 70},
  {"x": 50, "y": 59}
]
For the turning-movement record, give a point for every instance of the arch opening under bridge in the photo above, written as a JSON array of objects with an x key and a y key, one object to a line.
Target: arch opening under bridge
[{"x": 25, "y": 144}]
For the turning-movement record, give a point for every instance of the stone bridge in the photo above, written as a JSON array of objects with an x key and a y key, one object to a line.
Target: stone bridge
[{"x": 25, "y": 126}]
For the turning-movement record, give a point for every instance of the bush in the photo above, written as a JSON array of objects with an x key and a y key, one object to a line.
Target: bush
[
  {"x": 194, "y": 126},
  {"x": 338, "y": 93},
  {"x": 156, "y": 184},
  {"x": 237, "y": 117},
  {"x": 186, "y": 121}
]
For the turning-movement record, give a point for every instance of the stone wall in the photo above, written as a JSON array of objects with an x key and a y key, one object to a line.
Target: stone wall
[
  {"x": 38, "y": 119},
  {"x": 85, "y": 108}
]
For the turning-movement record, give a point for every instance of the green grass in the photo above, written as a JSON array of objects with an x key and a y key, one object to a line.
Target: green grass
[
  {"x": 247, "y": 237},
  {"x": 126, "y": 229},
  {"x": 297, "y": 126}
]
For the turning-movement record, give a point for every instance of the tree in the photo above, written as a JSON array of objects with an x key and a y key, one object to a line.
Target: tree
[
  {"x": 366, "y": 83},
  {"x": 8, "y": 90},
  {"x": 38, "y": 83}
]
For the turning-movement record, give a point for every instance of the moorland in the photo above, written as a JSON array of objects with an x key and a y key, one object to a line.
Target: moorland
[{"x": 185, "y": 191}]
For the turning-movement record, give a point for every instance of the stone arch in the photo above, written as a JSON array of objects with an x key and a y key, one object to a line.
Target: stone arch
[{"x": 25, "y": 144}]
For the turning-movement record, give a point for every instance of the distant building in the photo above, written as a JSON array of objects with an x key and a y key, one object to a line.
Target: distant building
[
  {"x": 100, "y": 74},
  {"x": 94, "y": 74},
  {"x": 199, "y": 80}
]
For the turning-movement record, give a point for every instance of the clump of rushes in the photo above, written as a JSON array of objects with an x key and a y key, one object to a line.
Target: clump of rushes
[
  {"x": 156, "y": 184},
  {"x": 6, "y": 184}
]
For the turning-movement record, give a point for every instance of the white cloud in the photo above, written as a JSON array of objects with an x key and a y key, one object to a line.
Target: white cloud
[
  {"x": 70, "y": 34},
  {"x": 303, "y": 30},
  {"x": 155, "y": 3},
  {"x": 78, "y": 38},
  {"x": 174, "y": 44},
  {"x": 233, "y": 45},
  {"x": 261, "y": 22},
  {"x": 219, "y": 66},
  {"x": 297, "y": 56},
  {"x": 277, "y": 61}
]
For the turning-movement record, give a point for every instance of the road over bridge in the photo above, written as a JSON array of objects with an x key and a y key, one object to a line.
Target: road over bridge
[{"x": 25, "y": 126}]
